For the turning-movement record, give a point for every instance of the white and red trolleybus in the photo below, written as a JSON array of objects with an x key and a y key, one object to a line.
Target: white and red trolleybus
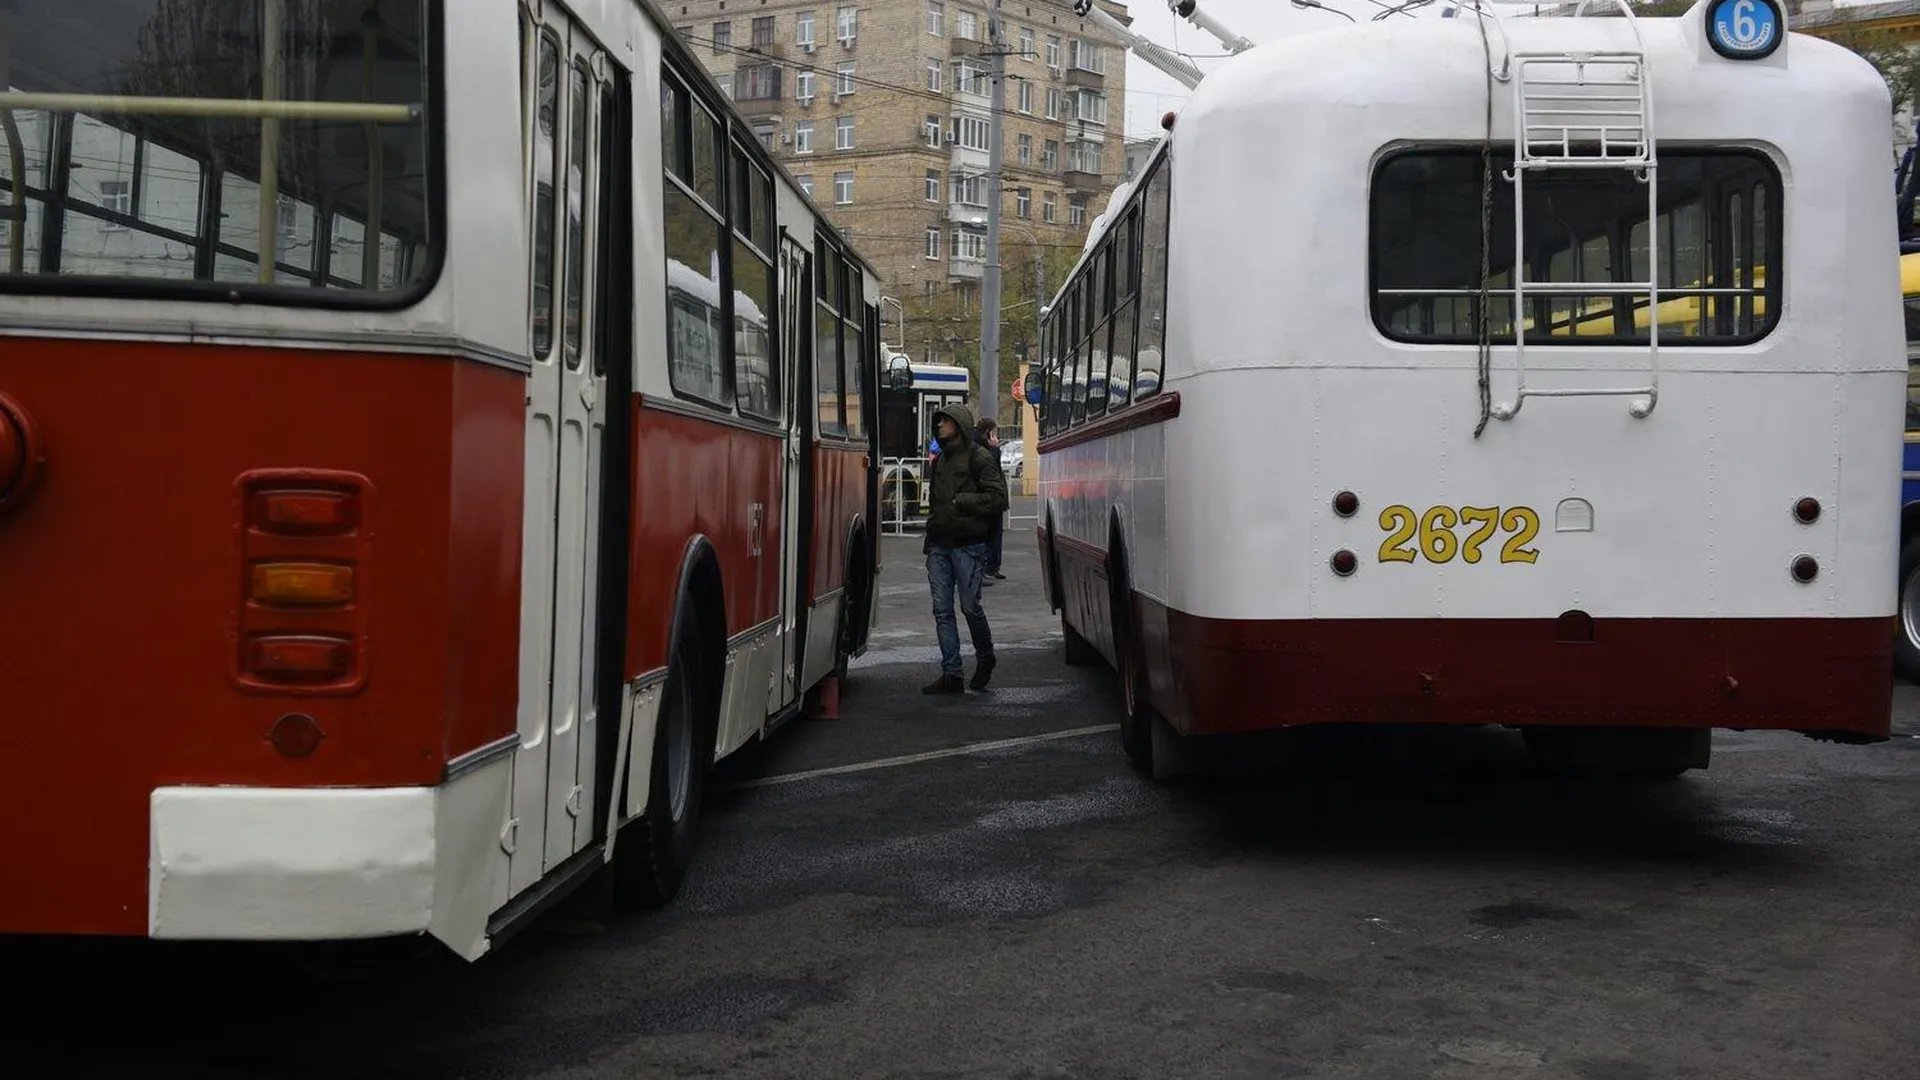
[
  {"x": 1288, "y": 477},
  {"x": 431, "y": 435}
]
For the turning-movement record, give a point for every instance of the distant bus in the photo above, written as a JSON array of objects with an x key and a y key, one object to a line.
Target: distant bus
[
  {"x": 911, "y": 393},
  {"x": 1906, "y": 648}
]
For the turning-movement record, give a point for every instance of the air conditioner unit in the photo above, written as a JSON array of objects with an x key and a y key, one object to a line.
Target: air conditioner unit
[
  {"x": 806, "y": 46},
  {"x": 786, "y": 138}
]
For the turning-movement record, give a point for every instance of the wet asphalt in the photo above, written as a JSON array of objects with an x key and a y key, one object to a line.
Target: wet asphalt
[{"x": 1403, "y": 904}]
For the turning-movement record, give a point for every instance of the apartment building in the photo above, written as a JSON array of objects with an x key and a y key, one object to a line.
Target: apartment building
[{"x": 883, "y": 109}]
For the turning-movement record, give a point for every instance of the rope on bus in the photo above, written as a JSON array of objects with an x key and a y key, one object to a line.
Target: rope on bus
[{"x": 1486, "y": 237}]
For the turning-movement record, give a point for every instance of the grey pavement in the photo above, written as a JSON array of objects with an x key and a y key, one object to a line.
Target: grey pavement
[{"x": 1402, "y": 904}]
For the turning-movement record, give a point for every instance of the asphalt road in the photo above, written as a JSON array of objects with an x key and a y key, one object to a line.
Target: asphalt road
[{"x": 1406, "y": 905}]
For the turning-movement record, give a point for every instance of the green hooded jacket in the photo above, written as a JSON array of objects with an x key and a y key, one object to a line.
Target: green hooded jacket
[{"x": 967, "y": 492}]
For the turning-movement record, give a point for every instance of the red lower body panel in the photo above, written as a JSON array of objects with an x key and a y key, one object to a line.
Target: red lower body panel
[
  {"x": 1224, "y": 675},
  {"x": 1219, "y": 676}
]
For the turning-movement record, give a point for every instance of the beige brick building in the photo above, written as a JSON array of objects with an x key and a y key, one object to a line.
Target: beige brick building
[{"x": 883, "y": 107}]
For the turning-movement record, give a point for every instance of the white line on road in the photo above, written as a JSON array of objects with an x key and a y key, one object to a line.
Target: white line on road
[{"x": 911, "y": 759}]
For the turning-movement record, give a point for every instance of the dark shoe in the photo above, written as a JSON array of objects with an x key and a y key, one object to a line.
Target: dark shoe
[
  {"x": 982, "y": 671},
  {"x": 996, "y": 575},
  {"x": 945, "y": 684}
]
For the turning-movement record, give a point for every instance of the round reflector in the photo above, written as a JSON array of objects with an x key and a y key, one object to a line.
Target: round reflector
[
  {"x": 296, "y": 735},
  {"x": 1807, "y": 510},
  {"x": 1344, "y": 562},
  {"x": 1346, "y": 503},
  {"x": 1805, "y": 569}
]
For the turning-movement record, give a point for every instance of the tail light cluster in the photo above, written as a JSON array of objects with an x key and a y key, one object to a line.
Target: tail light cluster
[
  {"x": 305, "y": 549},
  {"x": 19, "y": 452}
]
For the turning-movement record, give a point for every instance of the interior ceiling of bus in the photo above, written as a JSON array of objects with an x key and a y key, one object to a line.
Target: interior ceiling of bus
[{"x": 211, "y": 49}]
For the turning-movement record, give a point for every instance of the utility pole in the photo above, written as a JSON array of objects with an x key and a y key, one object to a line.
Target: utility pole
[{"x": 990, "y": 284}]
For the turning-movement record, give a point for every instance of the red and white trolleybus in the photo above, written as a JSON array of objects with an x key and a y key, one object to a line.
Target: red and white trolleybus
[
  {"x": 431, "y": 435},
  {"x": 1537, "y": 371}
]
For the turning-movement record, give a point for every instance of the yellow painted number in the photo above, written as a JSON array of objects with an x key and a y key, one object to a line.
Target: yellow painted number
[
  {"x": 1487, "y": 518},
  {"x": 1524, "y": 524},
  {"x": 1438, "y": 543},
  {"x": 1394, "y": 548}
]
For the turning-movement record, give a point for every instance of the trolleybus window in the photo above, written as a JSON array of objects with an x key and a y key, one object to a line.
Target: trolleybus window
[
  {"x": 159, "y": 178},
  {"x": 826, "y": 356},
  {"x": 546, "y": 116},
  {"x": 1153, "y": 282},
  {"x": 695, "y": 237},
  {"x": 851, "y": 356},
  {"x": 756, "y": 376},
  {"x": 1582, "y": 225}
]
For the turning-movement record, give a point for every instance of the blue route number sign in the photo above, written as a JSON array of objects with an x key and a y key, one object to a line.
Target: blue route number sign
[{"x": 1745, "y": 29}]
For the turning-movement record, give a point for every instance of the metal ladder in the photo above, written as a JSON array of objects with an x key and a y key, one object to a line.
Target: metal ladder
[{"x": 1597, "y": 98}]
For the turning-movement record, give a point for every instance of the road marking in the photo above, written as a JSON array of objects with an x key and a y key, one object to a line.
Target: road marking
[{"x": 913, "y": 759}]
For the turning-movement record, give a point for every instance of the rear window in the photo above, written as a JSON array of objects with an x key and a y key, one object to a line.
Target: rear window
[
  {"x": 170, "y": 172},
  {"x": 1719, "y": 242}
]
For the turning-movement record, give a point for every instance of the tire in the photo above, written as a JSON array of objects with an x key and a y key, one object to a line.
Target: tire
[
  {"x": 1080, "y": 652},
  {"x": 1906, "y": 623},
  {"x": 653, "y": 852},
  {"x": 1136, "y": 715}
]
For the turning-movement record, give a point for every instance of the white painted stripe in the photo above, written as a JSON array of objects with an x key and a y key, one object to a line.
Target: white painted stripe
[{"x": 914, "y": 759}]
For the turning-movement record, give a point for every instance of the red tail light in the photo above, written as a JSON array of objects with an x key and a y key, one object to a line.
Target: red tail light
[{"x": 306, "y": 555}]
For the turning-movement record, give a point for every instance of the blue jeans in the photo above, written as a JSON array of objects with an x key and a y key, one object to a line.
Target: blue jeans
[{"x": 951, "y": 569}]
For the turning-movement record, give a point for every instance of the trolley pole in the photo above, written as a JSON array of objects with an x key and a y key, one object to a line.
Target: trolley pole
[{"x": 990, "y": 283}]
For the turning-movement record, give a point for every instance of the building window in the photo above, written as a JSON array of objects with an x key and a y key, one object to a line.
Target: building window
[
  {"x": 805, "y": 180},
  {"x": 757, "y": 82},
  {"x": 844, "y": 25},
  {"x": 1087, "y": 57},
  {"x": 1026, "y": 44},
  {"x": 725, "y": 81},
  {"x": 933, "y": 75},
  {"x": 1025, "y": 149},
  {"x": 803, "y": 30},
  {"x": 1076, "y": 212},
  {"x": 763, "y": 30},
  {"x": 933, "y": 130},
  {"x": 968, "y": 190},
  {"x": 970, "y": 245},
  {"x": 1050, "y": 156},
  {"x": 1046, "y": 207},
  {"x": 722, "y": 37},
  {"x": 933, "y": 185},
  {"x": 966, "y": 25},
  {"x": 933, "y": 242},
  {"x": 803, "y": 137},
  {"x": 1053, "y": 103},
  {"x": 936, "y": 18},
  {"x": 972, "y": 132},
  {"x": 1083, "y": 157},
  {"x": 845, "y": 84},
  {"x": 1026, "y": 97},
  {"x": 843, "y": 187},
  {"x": 1023, "y": 202},
  {"x": 969, "y": 77},
  {"x": 1091, "y": 106},
  {"x": 843, "y": 133},
  {"x": 1053, "y": 51},
  {"x": 803, "y": 87}
]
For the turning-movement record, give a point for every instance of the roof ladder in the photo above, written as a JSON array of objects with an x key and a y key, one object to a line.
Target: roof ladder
[{"x": 1585, "y": 110}]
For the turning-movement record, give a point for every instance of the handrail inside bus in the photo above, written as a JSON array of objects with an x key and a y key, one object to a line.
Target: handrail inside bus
[{"x": 226, "y": 108}]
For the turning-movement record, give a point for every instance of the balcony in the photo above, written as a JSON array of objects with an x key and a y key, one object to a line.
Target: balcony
[
  {"x": 967, "y": 160},
  {"x": 760, "y": 106},
  {"x": 961, "y": 268},
  {"x": 963, "y": 214},
  {"x": 960, "y": 46},
  {"x": 1081, "y": 77},
  {"x": 1078, "y": 179}
]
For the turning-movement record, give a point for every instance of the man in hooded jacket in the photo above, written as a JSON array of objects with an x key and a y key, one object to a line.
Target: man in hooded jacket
[{"x": 966, "y": 496}]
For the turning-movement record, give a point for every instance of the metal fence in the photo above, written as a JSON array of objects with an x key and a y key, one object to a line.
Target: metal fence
[{"x": 903, "y": 499}]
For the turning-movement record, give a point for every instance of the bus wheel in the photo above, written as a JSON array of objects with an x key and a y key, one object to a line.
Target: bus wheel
[
  {"x": 1906, "y": 638},
  {"x": 653, "y": 852}
]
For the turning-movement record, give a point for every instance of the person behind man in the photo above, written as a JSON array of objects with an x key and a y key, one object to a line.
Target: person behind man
[
  {"x": 988, "y": 435},
  {"x": 966, "y": 497}
]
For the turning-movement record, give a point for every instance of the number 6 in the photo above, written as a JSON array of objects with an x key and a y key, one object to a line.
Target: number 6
[{"x": 1743, "y": 24}]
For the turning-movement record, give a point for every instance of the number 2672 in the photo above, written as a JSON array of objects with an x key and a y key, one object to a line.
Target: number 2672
[{"x": 1439, "y": 543}]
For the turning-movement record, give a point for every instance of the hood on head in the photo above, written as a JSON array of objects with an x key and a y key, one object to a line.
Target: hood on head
[{"x": 961, "y": 416}]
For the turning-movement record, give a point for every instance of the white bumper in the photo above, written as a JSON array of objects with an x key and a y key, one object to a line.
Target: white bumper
[{"x": 292, "y": 864}]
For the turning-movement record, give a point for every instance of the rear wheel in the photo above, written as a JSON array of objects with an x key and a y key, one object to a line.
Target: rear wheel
[
  {"x": 653, "y": 852},
  {"x": 1906, "y": 638}
]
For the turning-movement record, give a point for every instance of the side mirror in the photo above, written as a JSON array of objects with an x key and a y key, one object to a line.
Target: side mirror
[
  {"x": 899, "y": 373},
  {"x": 1035, "y": 390}
]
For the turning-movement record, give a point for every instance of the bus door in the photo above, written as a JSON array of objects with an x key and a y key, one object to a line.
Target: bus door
[
  {"x": 553, "y": 771},
  {"x": 800, "y": 504}
]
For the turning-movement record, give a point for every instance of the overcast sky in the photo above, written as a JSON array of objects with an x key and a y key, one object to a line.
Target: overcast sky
[{"x": 1151, "y": 93}]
